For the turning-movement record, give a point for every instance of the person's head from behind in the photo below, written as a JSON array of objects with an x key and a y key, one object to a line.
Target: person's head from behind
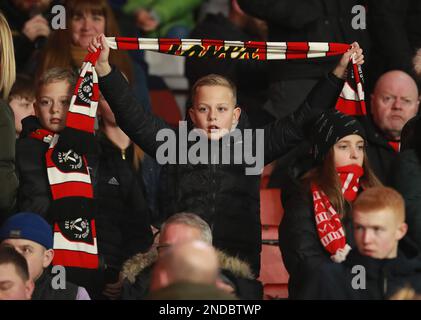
[
  {"x": 183, "y": 227},
  {"x": 214, "y": 106},
  {"x": 54, "y": 92},
  {"x": 339, "y": 147},
  {"x": 31, "y": 236},
  {"x": 7, "y": 59},
  {"x": 394, "y": 101},
  {"x": 15, "y": 283},
  {"x": 378, "y": 217},
  {"x": 194, "y": 261},
  {"x": 21, "y": 100}
]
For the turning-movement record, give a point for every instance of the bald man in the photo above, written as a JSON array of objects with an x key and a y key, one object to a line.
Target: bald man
[
  {"x": 394, "y": 101},
  {"x": 378, "y": 266}
]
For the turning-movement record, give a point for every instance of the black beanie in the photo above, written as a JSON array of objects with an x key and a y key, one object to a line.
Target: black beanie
[{"x": 330, "y": 128}]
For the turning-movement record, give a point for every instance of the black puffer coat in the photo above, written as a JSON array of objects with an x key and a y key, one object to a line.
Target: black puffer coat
[{"x": 222, "y": 194}]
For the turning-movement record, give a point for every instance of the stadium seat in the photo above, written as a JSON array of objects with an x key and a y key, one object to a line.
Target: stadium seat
[{"x": 273, "y": 274}]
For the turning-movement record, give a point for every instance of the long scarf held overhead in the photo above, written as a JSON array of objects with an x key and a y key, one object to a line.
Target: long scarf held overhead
[
  {"x": 72, "y": 208},
  {"x": 328, "y": 221},
  {"x": 351, "y": 100}
]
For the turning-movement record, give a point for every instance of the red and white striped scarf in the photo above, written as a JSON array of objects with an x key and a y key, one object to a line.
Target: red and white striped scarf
[
  {"x": 351, "y": 100},
  {"x": 72, "y": 208},
  {"x": 328, "y": 221}
]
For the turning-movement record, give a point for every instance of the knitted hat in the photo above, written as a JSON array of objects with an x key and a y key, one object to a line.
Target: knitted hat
[
  {"x": 29, "y": 226},
  {"x": 330, "y": 128}
]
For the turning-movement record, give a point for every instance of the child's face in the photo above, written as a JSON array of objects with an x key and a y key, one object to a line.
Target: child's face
[
  {"x": 349, "y": 150},
  {"x": 37, "y": 257},
  {"x": 214, "y": 111},
  {"x": 377, "y": 233},
  {"x": 22, "y": 108},
  {"x": 12, "y": 286},
  {"x": 52, "y": 104}
]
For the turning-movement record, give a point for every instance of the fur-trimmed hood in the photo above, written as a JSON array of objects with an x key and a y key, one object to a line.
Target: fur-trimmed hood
[{"x": 139, "y": 262}]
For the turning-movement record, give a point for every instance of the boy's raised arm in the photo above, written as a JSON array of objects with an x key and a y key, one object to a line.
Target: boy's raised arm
[
  {"x": 284, "y": 134},
  {"x": 140, "y": 126}
]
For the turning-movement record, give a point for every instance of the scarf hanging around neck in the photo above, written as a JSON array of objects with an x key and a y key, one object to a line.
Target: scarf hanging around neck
[
  {"x": 328, "y": 221},
  {"x": 72, "y": 208}
]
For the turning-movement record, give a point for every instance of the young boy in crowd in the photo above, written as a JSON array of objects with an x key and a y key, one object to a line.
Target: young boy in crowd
[
  {"x": 32, "y": 236},
  {"x": 21, "y": 100},
  {"x": 15, "y": 283},
  {"x": 222, "y": 194},
  {"x": 54, "y": 91},
  {"x": 381, "y": 263}
]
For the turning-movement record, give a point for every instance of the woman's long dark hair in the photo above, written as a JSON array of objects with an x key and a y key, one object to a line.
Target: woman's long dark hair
[{"x": 326, "y": 177}]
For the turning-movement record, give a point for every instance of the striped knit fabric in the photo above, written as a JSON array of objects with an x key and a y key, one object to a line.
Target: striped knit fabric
[
  {"x": 72, "y": 208},
  {"x": 350, "y": 101}
]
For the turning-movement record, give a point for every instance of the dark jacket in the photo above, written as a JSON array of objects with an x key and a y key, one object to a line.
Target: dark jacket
[
  {"x": 44, "y": 290},
  {"x": 394, "y": 27},
  {"x": 8, "y": 179},
  {"x": 122, "y": 218},
  {"x": 383, "y": 277},
  {"x": 137, "y": 273},
  {"x": 406, "y": 178},
  {"x": 222, "y": 194},
  {"x": 299, "y": 242},
  {"x": 380, "y": 154},
  {"x": 311, "y": 20}
]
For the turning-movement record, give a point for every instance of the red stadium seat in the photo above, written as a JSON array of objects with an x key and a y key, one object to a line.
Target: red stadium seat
[{"x": 273, "y": 274}]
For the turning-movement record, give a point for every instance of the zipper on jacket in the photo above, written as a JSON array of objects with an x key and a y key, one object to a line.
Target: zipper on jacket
[{"x": 123, "y": 154}]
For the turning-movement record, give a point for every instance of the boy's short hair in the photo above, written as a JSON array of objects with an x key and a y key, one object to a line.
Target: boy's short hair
[
  {"x": 375, "y": 199},
  {"x": 57, "y": 74},
  {"x": 191, "y": 220},
  {"x": 22, "y": 88},
  {"x": 10, "y": 255},
  {"x": 214, "y": 80}
]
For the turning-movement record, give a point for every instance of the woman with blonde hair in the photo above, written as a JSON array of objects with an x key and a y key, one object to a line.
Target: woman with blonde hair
[
  {"x": 8, "y": 179},
  {"x": 316, "y": 225}
]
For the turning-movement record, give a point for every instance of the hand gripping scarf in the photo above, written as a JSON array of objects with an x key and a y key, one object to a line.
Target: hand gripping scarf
[
  {"x": 328, "y": 221},
  {"x": 72, "y": 208}
]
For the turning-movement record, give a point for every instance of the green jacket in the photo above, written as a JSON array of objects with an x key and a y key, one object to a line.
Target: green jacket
[
  {"x": 8, "y": 179},
  {"x": 170, "y": 12}
]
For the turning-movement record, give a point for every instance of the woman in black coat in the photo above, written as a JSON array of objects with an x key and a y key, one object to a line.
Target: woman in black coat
[{"x": 316, "y": 224}]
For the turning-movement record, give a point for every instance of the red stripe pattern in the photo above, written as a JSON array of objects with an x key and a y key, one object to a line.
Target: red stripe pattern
[{"x": 351, "y": 100}]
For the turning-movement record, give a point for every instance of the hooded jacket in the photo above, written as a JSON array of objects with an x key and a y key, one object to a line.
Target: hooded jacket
[{"x": 137, "y": 276}]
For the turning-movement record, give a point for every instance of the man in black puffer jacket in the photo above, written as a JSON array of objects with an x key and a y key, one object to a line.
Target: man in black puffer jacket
[{"x": 224, "y": 195}]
